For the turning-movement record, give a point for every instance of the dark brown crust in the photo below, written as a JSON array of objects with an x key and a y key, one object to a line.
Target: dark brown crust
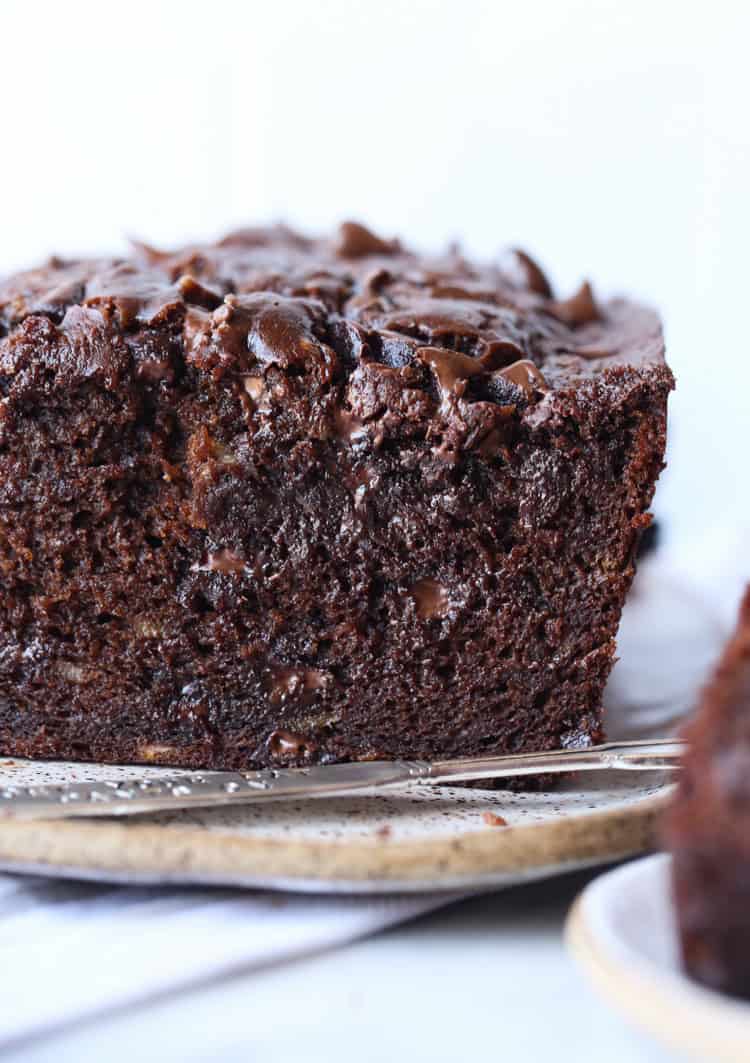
[
  {"x": 708, "y": 827},
  {"x": 280, "y": 500}
]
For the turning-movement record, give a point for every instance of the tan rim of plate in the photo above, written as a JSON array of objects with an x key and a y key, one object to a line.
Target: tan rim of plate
[
  {"x": 121, "y": 848},
  {"x": 685, "y": 1017}
]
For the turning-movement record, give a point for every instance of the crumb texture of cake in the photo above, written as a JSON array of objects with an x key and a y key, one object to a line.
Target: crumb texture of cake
[
  {"x": 279, "y": 500},
  {"x": 708, "y": 826}
]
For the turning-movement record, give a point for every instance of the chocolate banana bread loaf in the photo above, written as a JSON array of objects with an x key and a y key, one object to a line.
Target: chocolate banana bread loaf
[
  {"x": 708, "y": 827},
  {"x": 282, "y": 500}
]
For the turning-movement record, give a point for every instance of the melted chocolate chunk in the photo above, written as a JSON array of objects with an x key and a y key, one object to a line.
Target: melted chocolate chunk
[
  {"x": 451, "y": 370},
  {"x": 287, "y": 745},
  {"x": 431, "y": 599},
  {"x": 525, "y": 375},
  {"x": 297, "y": 684}
]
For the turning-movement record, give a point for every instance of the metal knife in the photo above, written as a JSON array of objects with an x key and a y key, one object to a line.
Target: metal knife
[{"x": 207, "y": 789}]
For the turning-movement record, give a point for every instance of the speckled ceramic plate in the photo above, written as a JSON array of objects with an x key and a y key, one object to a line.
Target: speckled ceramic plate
[
  {"x": 451, "y": 838},
  {"x": 622, "y": 931}
]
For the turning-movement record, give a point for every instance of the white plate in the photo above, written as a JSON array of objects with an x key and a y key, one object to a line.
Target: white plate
[
  {"x": 442, "y": 838},
  {"x": 622, "y": 930}
]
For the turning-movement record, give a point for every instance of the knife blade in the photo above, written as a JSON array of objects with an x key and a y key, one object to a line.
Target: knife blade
[{"x": 208, "y": 789}]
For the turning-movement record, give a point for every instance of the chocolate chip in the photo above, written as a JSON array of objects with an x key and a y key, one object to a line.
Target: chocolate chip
[
  {"x": 356, "y": 241},
  {"x": 579, "y": 309},
  {"x": 529, "y": 273}
]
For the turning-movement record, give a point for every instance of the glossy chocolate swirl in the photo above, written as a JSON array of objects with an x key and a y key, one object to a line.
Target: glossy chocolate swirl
[{"x": 355, "y": 337}]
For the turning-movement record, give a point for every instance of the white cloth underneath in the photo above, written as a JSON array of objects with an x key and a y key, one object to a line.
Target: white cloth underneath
[{"x": 72, "y": 950}]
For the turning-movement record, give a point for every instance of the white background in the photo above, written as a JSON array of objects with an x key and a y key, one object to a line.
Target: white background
[{"x": 611, "y": 139}]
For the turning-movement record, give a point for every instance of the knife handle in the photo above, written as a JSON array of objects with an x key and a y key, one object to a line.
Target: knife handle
[{"x": 650, "y": 755}]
